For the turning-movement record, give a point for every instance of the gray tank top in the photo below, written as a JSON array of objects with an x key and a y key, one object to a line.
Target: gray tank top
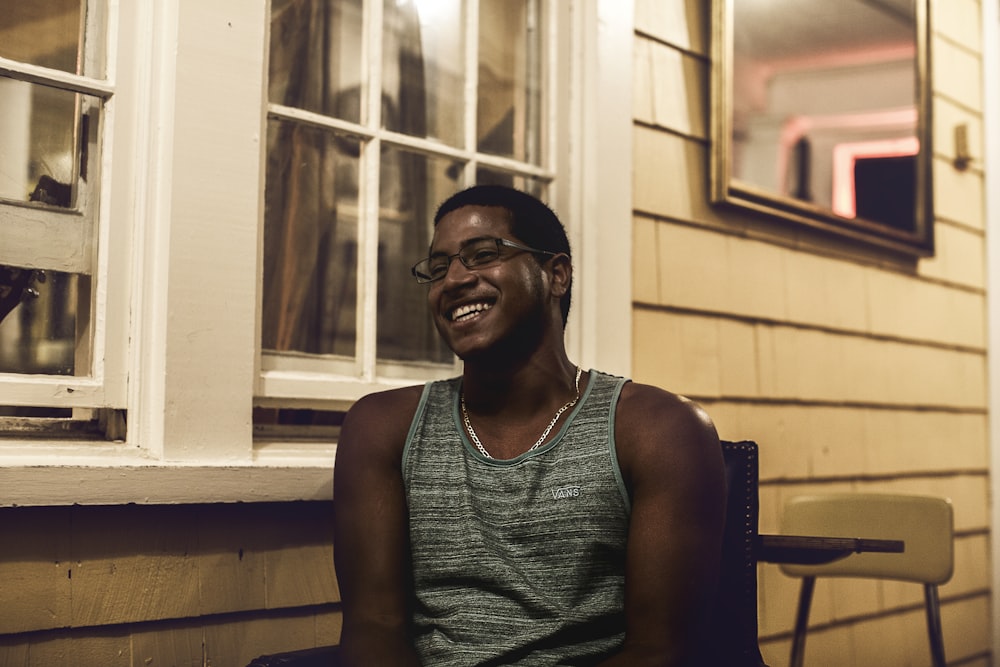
[{"x": 520, "y": 561}]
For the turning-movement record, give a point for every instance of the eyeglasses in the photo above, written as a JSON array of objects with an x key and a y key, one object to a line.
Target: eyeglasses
[{"x": 476, "y": 255}]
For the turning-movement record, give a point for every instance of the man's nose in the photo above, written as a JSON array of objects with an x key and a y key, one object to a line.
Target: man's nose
[{"x": 457, "y": 272}]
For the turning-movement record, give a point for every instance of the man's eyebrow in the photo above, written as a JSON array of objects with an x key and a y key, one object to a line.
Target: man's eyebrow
[{"x": 464, "y": 244}]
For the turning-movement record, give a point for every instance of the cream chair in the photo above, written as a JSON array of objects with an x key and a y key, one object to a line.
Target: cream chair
[{"x": 925, "y": 525}]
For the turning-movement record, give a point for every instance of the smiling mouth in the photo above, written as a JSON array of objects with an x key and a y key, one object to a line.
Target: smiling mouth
[{"x": 468, "y": 311}]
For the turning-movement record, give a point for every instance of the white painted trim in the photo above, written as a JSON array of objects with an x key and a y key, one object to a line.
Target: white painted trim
[
  {"x": 45, "y": 239},
  {"x": 601, "y": 151},
  {"x": 151, "y": 483},
  {"x": 89, "y": 240},
  {"x": 991, "y": 150},
  {"x": 52, "y": 390},
  {"x": 115, "y": 252},
  {"x": 155, "y": 81},
  {"x": 196, "y": 371},
  {"x": 44, "y": 473},
  {"x": 74, "y": 83}
]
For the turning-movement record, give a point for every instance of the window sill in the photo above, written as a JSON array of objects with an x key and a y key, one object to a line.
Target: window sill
[{"x": 60, "y": 474}]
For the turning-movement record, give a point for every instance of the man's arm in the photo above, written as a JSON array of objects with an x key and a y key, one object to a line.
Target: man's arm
[
  {"x": 371, "y": 540},
  {"x": 672, "y": 463}
]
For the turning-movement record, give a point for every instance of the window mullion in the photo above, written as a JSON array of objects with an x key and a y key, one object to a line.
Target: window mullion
[
  {"x": 514, "y": 166},
  {"x": 305, "y": 117},
  {"x": 53, "y": 78},
  {"x": 368, "y": 264},
  {"x": 553, "y": 44},
  {"x": 533, "y": 60},
  {"x": 471, "y": 86},
  {"x": 105, "y": 291},
  {"x": 369, "y": 195},
  {"x": 51, "y": 391},
  {"x": 100, "y": 37},
  {"x": 44, "y": 239},
  {"x": 111, "y": 152},
  {"x": 102, "y": 285}
]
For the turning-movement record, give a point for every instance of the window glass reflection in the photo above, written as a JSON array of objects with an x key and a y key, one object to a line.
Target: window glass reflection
[
  {"x": 509, "y": 112},
  {"x": 310, "y": 240},
  {"x": 533, "y": 186},
  {"x": 413, "y": 186},
  {"x": 39, "y": 139},
  {"x": 37, "y": 321},
  {"x": 423, "y": 68},
  {"x": 43, "y": 32},
  {"x": 315, "y": 58}
]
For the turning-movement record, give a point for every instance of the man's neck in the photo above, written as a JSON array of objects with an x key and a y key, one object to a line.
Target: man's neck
[
  {"x": 520, "y": 388},
  {"x": 509, "y": 411}
]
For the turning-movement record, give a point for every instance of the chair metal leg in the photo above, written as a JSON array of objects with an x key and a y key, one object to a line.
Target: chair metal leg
[
  {"x": 934, "y": 624},
  {"x": 802, "y": 621}
]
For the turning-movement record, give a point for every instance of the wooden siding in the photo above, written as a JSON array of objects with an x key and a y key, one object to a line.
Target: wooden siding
[
  {"x": 852, "y": 368},
  {"x": 134, "y": 586}
]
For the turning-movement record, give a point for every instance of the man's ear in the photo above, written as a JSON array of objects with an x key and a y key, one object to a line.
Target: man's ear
[{"x": 562, "y": 274}]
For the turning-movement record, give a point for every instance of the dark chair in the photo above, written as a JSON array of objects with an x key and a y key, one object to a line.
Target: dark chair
[
  {"x": 732, "y": 639},
  {"x": 324, "y": 656}
]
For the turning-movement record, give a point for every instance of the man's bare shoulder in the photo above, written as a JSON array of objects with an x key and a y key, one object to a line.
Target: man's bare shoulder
[
  {"x": 655, "y": 423},
  {"x": 387, "y": 403},
  {"x": 379, "y": 422},
  {"x": 645, "y": 406}
]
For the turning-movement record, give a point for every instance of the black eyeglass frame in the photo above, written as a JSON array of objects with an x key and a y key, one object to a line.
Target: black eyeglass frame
[{"x": 424, "y": 277}]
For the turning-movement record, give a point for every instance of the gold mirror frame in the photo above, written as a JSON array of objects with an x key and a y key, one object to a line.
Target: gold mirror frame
[{"x": 729, "y": 190}]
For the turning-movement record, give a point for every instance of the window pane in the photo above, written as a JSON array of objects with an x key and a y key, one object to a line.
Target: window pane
[
  {"x": 310, "y": 240},
  {"x": 510, "y": 74},
  {"x": 315, "y": 59},
  {"x": 412, "y": 187},
  {"x": 39, "y": 130},
  {"x": 38, "y": 333},
  {"x": 286, "y": 423},
  {"x": 423, "y": 69},
  {"x": 529, "y": 184},
  {"x": 44, "y": 32},
  {"x": 22, "y": 411}
]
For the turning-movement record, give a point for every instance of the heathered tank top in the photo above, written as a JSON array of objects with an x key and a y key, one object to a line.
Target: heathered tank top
[{"x": 520, "y": 561}]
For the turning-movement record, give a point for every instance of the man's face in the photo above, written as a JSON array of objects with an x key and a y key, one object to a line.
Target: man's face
[{"x": 503, "y": 302}]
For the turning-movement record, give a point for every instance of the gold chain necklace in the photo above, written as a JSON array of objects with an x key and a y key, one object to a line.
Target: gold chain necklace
[{"x": 545, "y": 433}]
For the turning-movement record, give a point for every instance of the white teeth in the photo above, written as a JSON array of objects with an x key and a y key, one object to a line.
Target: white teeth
[{"x": 464, "y": 312}]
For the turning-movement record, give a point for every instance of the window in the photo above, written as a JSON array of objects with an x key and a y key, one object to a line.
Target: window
[
  {"x": 242, "y": 216},
  {"x": 377, "y": 112},
  {"x": 57, "y": 100}
]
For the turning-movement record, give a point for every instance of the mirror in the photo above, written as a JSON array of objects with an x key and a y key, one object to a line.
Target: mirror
[{"x": 821, "y": 115}]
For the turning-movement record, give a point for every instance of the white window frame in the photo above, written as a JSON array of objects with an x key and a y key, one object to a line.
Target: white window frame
[
  {"x": 82, "y": 241},
  {"x": 289, "y": 380},
  {"x": 188, "y": 155}
]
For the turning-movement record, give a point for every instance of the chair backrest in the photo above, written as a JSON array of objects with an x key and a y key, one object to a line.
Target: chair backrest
[
  {"x": 732, "y": 638},
  {"x": 924, "y": 523}
]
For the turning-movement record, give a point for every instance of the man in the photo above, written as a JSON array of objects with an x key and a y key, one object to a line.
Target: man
[{"x": 527, "y": 512}]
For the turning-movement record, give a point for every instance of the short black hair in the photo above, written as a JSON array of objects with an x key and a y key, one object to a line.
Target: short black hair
[{"x": 531, "y": 221}]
